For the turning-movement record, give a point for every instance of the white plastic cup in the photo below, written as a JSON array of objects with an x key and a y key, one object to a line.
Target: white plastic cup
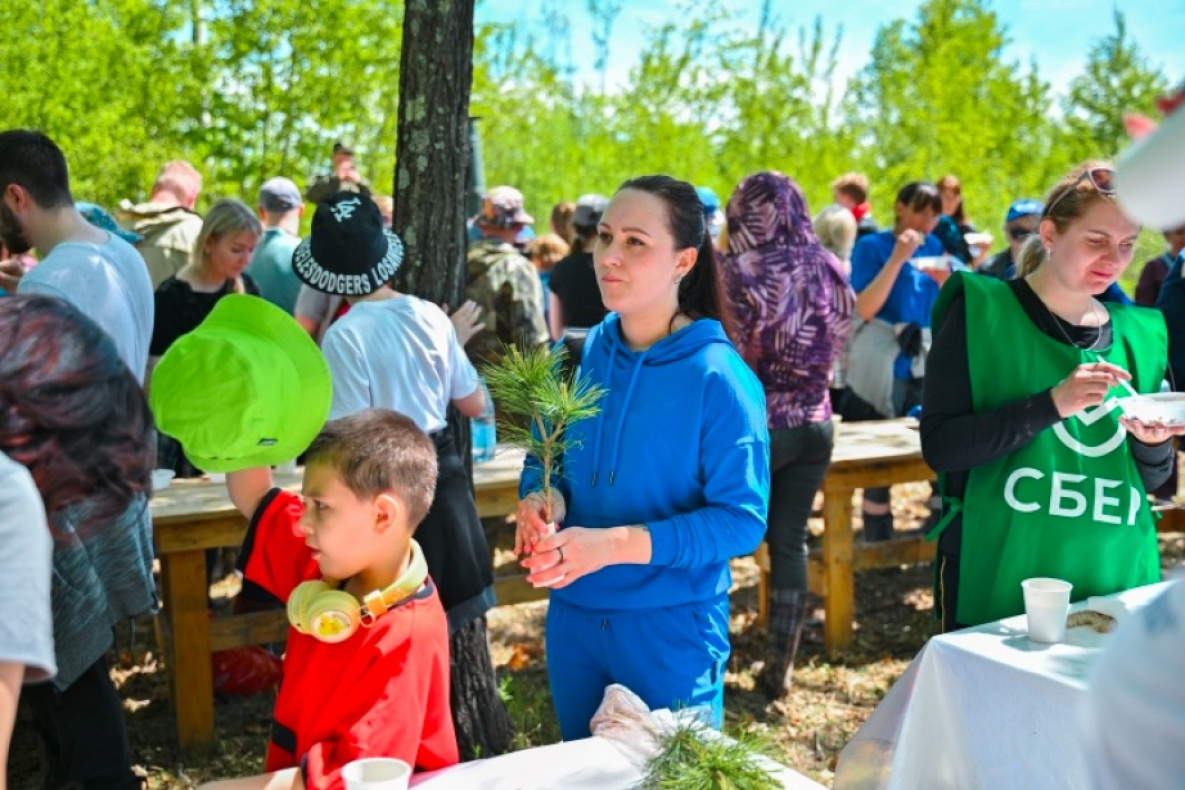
[
  {"x": 1047, "y": 604},
  {"x": 287, "y": 468},
  {"x": 377, "y": 773}
]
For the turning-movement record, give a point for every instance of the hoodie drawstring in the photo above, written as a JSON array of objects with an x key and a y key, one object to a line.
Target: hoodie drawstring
[
  {"x": 601, "y": 422},
  {"x": 629, "y": 394}
]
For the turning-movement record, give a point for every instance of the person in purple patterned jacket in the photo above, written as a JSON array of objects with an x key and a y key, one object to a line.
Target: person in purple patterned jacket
[{"x": 793, "y": 308}]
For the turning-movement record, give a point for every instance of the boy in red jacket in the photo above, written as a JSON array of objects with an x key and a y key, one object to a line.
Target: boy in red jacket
[{"x": 366, "y": 672}]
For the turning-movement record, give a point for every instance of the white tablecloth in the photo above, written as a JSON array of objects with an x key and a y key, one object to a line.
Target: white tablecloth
[
  {"x": 982, "y": 708},
  {"x": 588, "y": 764}
]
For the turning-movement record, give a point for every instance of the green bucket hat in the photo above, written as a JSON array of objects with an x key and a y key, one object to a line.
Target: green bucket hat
[{"x": 247, "y": 388}]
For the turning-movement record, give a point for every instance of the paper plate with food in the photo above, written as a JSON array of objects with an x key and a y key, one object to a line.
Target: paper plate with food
[{"x": 1167, "y": 408}]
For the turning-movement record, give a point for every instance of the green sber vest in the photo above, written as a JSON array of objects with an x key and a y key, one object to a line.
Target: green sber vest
[{"x": 1071, "y": 503}]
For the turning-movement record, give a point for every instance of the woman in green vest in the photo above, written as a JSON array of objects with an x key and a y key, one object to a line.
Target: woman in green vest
[{"x": 1040, "y": 474}]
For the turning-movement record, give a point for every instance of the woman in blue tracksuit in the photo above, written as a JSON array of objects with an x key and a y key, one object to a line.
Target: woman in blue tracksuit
[{"x": 667, "y": 483}]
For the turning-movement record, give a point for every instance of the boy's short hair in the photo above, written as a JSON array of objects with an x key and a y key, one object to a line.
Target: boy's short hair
[
  {"x": 32, "y": 160},
  {"x": 379, "y": 450},
  {"x": 854, "y": 185}
]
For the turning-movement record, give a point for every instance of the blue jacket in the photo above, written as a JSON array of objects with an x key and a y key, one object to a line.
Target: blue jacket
[{"x": 680, "y": 445}]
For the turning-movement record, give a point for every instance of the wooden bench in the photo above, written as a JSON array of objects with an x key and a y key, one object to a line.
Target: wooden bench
[
  {"x": 194, "y": 515},
  {"x": 866, "y": 455}
]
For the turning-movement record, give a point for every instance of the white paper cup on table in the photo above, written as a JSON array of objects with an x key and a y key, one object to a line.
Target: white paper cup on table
[
  {"x": 1047, "y": 603},
  {"x": 377, "y": 773}
]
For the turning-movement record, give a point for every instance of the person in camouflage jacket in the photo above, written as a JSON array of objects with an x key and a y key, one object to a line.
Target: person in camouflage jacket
[
  {"x": 343, "y": 178},
  {"x": 504, "y": 283}
]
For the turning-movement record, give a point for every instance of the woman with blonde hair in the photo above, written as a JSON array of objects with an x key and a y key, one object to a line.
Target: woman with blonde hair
[
  {"x": 574, "y": 298},
  {"x": 1040, "y": 474},
  {"x": 221, "y": 253},
  {"x": 835, "y": 227}
]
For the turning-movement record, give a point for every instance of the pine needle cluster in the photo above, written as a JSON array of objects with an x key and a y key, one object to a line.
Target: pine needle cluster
[
  {"x": 537, "y": 404},
  {"x": 692, "y": 758}
]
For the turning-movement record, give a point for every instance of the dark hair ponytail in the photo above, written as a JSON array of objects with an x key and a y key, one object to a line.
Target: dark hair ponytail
[{"x": 701, "y": 292}]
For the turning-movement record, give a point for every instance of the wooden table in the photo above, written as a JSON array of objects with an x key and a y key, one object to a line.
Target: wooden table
[
  {"x": 194, "y": 515},
  {"x": 866, "y": 455}
]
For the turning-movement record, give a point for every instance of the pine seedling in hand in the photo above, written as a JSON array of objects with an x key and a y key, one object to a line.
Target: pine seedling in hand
[{"x": 538, "y": 404}]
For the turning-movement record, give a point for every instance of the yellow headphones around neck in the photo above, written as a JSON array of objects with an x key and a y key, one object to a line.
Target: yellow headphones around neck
[{"x": 332, "y": 615}]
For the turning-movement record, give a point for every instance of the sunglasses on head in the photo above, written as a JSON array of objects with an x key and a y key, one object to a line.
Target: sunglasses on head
[
  {"x": 1102, "y": 178},
  {"x": 1020, "y": 233}
]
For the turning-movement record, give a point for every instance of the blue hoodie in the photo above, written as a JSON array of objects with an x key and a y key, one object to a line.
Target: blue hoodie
[{"x": 680, "y": 445}]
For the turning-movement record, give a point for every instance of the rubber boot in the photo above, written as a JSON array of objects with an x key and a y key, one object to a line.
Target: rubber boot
[{"x": 787, "y": 615}]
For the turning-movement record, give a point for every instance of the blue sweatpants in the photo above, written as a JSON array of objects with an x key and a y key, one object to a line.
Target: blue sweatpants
[{"x": 673, "y": 657}]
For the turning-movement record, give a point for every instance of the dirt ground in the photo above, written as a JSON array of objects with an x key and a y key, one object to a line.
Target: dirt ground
[{"x": 826, "y": 705}]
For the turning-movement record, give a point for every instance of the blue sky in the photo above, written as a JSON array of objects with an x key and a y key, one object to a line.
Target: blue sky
[{"x": 1058, "y": 33}]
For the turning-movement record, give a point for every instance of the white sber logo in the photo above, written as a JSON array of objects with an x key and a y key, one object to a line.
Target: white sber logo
[{"x": 1089, "y": 417}]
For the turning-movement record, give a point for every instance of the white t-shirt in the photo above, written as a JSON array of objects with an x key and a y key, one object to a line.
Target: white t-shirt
[
  {"x": 400, "y": 354},
  {"x": 108, "y": 283},
  {"x": 320, "y": 308},
  {"x": 26, "y": 572}
]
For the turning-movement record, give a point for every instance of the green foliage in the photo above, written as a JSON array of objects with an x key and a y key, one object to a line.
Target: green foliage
[
  {"x": 293, "y": 78},
  {"x": 528, "y": 701},
  {"x": 711, "y": 102},
  {"x": 937, "y": 97},
  {"x": 691, "y": 759},
  {"x": 1117, "y": 80},
  {"x": 248, "y": 89},
  {"x": 538, "y": 403},
  {"x": 244, "y": 89},
  {"x": 104, "y": 78}
]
